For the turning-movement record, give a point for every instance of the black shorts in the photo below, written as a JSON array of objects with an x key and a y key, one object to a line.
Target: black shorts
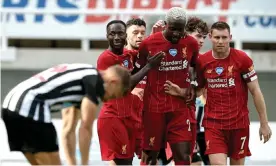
[{"x": 27, "y": 135}]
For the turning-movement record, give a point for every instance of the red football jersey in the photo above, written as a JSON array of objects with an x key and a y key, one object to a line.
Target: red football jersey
[
  {"x": 227, "y": 93},
  {"x": 174, "y": 67},
  {"x": 120, "y": 107},
  {"x": 138, "y": 105}
]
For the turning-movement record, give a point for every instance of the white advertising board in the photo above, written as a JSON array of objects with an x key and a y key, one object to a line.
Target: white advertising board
[{"x": 76, "y": 26}]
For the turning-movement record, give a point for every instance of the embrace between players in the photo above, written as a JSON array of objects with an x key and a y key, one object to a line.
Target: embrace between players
[{"x": 152, "y": 116}]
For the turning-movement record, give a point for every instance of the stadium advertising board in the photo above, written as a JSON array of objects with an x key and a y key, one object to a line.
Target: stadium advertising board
[{"x": 76, "y": 26}]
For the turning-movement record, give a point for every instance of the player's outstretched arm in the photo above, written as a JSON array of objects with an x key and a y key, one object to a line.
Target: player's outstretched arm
[
  {"x": 265, "y": 131},
  {"x": 152, "y": 62},
  {"x": 88, "y": 114}
]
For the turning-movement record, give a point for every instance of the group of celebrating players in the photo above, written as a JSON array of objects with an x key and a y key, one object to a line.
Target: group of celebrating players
[{"x": 149, "y": 87}]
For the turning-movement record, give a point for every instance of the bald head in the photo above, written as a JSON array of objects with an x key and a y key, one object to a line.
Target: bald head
[{"x": 176, "y": 14}]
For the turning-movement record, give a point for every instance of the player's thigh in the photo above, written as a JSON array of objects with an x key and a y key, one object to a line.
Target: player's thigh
[
  {"x": 216, "y": 141},
  {"x": 15, "y": 129},
  {"x": 218, "y": 159},
  {"x": 239, "y": 143},
  {"x": 40, "y": 137},
  {"x": 47, "y": 158},
  {"x": 116, "y": 142},
  {"x": 70, "y": 117},
  {"x": 240, "y": 161},
  {"x": 154, "y": 131},
  {"x": 31, "y": 158}
]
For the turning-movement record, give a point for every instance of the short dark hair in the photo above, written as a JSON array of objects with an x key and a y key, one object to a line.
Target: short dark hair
[
  {"x": 196, "y": 24},
  {"x": 135, "y": 21},
  {"x": 220, "y": 25},
  {"x": 115, "y": 22},
  {"x": 124, "y": 75}
]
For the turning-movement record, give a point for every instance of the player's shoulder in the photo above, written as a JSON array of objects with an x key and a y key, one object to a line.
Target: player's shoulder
[
  {"x": 153, "y": 37},
  {"x": 239, "y": 55},
  {"x": 131, "y": 53},
  {"x": 206, "y": 55},
  {"x": 203, "y": 58},
  {"x": 189, "y": 41},
  {"x": 106, "y": 53}
]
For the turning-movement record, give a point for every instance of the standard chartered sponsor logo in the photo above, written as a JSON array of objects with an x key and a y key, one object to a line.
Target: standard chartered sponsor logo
[
  {"x": 212, "y": 80},
  {"x": 231, "y": 82},
  {"x": 173, "y": 65},
  {"x": 220, "y": 82}
]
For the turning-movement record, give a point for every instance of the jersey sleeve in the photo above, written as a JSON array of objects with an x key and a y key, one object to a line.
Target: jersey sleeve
[
  {"x": 200, "y": 74},
  {"x": 142, "y": 83},
  {"x": 195, "y": 52},
  {"x": 93, "y": 87},
  {"x": 103, "y": 62},
  {"x": 247, "y": 69}
]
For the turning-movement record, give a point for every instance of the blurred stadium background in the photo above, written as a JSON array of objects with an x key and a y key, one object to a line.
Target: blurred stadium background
[{"x": 37, "y": 34}]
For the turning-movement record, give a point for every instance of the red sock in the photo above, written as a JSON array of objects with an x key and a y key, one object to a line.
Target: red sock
[
  {"x": 142, "y": 163},
  {"x": 182, "y": 163}
]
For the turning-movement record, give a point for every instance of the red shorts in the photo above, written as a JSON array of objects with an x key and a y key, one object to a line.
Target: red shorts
[
  {"x": 138, "y": 141},
  {"x": 234, "y": 143},
  {"x": 159, "y": 128},
  {"x": 168, "y": 148},
  {"x": 116, "y": 137}
]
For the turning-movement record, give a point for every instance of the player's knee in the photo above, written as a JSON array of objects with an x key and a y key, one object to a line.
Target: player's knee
[
  {"x": 70, "y": 118},
  {"x": 68, "y": 129},
  {"x": 86, "y": 125}
]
